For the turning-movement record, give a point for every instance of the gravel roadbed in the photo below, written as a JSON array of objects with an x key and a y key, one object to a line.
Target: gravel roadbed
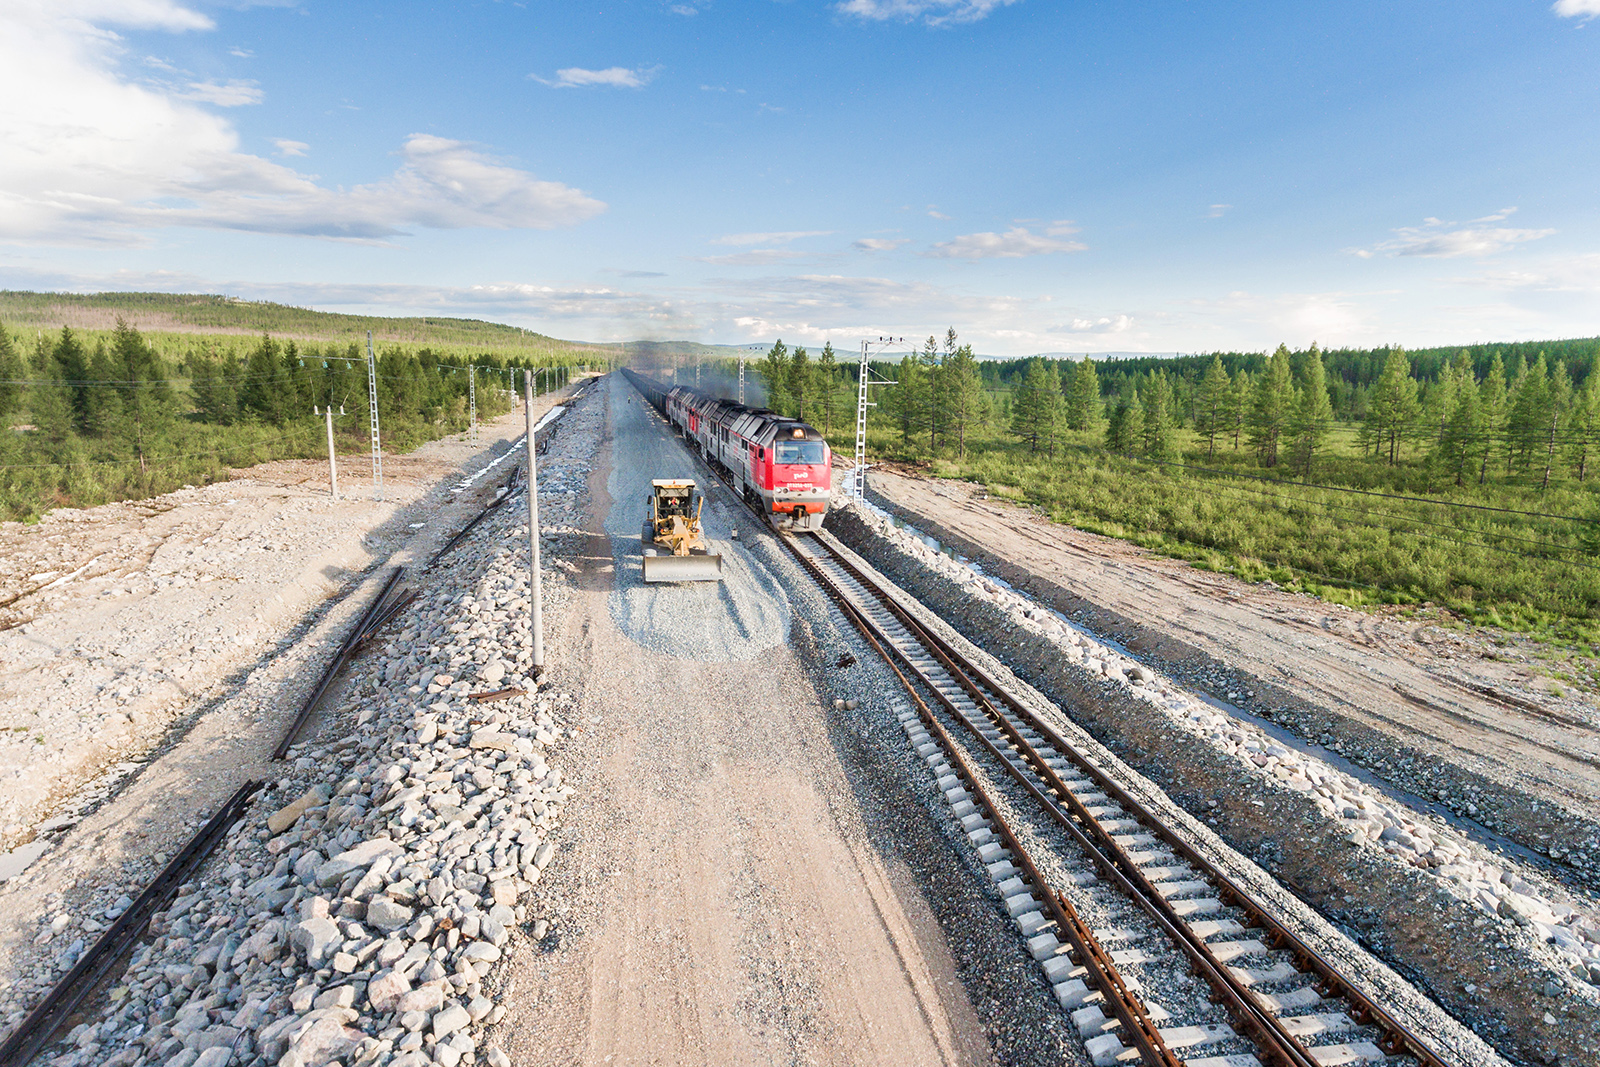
[{"x": 1488, "y": 969}]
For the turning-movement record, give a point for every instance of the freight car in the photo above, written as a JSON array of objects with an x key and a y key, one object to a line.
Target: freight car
[{"x": 781, "y": 466}]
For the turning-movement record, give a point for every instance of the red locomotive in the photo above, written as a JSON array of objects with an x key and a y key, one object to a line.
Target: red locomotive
[{"x": 781, "y": 466}]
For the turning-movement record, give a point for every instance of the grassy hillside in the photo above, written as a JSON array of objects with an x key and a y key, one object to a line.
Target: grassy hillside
[{"x": 154, "y": 314}]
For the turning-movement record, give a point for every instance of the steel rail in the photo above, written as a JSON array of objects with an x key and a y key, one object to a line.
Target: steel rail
[
  {"x": 357, "y": 634},
  {"x": 35, "y": 1031},
  {"x": 1102, "y": 972},
  {"x": 1260, "y": 1025}
]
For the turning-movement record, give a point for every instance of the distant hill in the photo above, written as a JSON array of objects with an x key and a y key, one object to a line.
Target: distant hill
[{"x": 208, "y": 313}]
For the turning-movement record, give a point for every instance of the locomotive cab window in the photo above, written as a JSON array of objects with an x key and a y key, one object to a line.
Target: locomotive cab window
[{"x": 796, "y": 452}]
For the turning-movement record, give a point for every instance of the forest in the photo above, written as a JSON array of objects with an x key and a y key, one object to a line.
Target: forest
[
  {"x": 1461, "y": 478},
  {"x": 92, "y": 416}
]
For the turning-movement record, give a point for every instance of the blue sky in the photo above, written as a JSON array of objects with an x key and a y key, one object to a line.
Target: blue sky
[{"x": 1043, "y": 176}]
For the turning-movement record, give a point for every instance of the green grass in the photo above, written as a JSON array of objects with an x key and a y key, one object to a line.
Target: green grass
[{"x": 1345, "y": 548}]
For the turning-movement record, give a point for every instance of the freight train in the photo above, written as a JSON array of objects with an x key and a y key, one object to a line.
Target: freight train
[{"x": 781, "y": 466}]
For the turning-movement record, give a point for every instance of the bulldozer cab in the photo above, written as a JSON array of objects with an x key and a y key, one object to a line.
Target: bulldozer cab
[{"x": 672, "y": 496}]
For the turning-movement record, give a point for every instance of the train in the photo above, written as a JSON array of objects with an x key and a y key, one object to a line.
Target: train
[{"x": 782, "y": 467}]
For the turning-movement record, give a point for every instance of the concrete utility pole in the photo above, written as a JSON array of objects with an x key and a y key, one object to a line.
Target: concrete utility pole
[
  {"x": 741, "y": 377},
  {"x": 535, "y": 597},
  {"x": 472, "y": 398},
  {"x": 372, "y": 404},
  {"x": 333, "y": 469}
]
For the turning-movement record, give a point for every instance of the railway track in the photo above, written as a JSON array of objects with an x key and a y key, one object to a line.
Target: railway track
[{"x": 1032, "y": 802}]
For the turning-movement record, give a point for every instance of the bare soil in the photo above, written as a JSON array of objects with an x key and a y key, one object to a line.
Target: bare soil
[
  {"x": 721, "y": 898},
  {"x": 1464, "y": 715}
]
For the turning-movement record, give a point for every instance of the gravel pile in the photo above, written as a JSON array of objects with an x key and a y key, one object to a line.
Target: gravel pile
[{"x": 359, "y": 913}]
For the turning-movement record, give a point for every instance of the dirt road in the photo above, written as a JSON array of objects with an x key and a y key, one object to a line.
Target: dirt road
[
  {"x": 732, "y": 909},
  {"x": 1436, "y": 710}
]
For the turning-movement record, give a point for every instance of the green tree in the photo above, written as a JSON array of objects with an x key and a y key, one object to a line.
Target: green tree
[
  {"x": 1239, "y": 404},
  {"x": 145, "y": 406},
  {"x": 1492, "y": 413},
  {"x": 13, "y": 375},
  {"x": 799, "y": 382},
  {"x": 1211, "y": 404},
  {"x": 1269, "y": 408},
  {"x": 1526, "y": 415},
  {"x": 1456, "y": 453},
  {"x": 215, "y": 398},
  {"x": 1392, "y": 405},
  {"x": 932, "y": 392},
  {"x": 1156, "y": 433},
  {"x": 775, "y": 373},
  {"x": 964, "y": 400},
  {"x": 905, "y": 398},
  {"x": 265, "y": 392},
  {"x": 1125, "y": 428},
  {"x": 827, "y": 386},
  {"x": 1312, "y": 413},
  {"x": 1083, "y": 396},
  {"x": 1584, "y": 427},
  {"x": 1558, "y": 403}
]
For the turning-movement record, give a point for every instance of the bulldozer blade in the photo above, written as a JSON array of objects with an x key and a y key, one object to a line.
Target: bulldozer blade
[{"x": 683, "y": 568}]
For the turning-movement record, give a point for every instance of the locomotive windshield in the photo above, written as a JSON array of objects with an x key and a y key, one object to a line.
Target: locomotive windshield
[{"x": 794, "y": 452}]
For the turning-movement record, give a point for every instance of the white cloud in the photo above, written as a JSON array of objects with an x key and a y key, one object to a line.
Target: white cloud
[
  {"x": 96, "y": 157},
  {"x": 756, "y": 257},
  {"x": 1585, "y": 9},
  {"x": 231, "y": 94},
  {"x": 614, "y": 77},
  {"x": 1104, "y": 325},
  {"x": 1216, "y": 211},
  {"x": 242, "y": 53},
  {"x": 1015, "y": 243},
  {"x": 881, "y": 244},
  {"x": 934, "y": 214},
  {"x": 933, "y": 12},
  {"x": 290, "y": 148},
  {"x": 1436, "y": 239},
  {"x": 782, "y": 237}
]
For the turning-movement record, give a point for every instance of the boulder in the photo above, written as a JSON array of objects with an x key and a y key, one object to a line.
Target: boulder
[{"x": 316, "y": 939}]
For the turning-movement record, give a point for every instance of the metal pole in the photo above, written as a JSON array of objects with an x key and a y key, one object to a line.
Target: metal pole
[
  {"x": 472, "y": 398},
  {"x": 534, "y": 585},
  {"x": 372, "y": 404},
  {"x": 333, "y": 470},
  {"x": 859, "y": 475},
  {"x": 741, "y": 379}
]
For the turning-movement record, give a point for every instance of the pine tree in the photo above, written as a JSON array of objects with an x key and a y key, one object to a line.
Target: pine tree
[
  {"x": 1211, "y": 404},
  {"x": 1269, "y": 407},
  {"x": 264, "y": 392},
  {"x": 145, "y": 408},
  {"x": 1028, "y": 403},
  {"x": 906, "y": 398},
  {"x": 1526, "y": 415},
  {"x": 70, "y": 365},
  {"x": 827, "y": 386},
  {"x": 932, "y": 392},
  {"x": 1558, "y": 402},
  {"x": 1052, "y": 413},
  {"x": 13, "y": 375},
  {"x": 1243, "y": 386},
  {"x": 1392, "y": 406},
  {"x": 214, "y": 394},
  {"x": 1312, "y": 413},
  {"x": 102, "y": 404},
  {"x": 964, "y": 400},
  {"x": 799, "y": 382},
  {"x": 1125, "y": 428},
  {"x": 1083, "y": 396},
  {"x": 1463, "y": 433},
  {"x": 775, "y": 373},
  {"x": 1156, "y": 398},
  {"x": 1585, "y": 426},
  {"x": 1492, "y": 405}
]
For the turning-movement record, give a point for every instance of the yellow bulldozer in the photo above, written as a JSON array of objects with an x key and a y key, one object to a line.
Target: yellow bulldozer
[{"x": 672, "y": 523}]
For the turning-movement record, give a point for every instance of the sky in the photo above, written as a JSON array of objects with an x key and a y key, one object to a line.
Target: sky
[{"x": 1043, "y": 176}]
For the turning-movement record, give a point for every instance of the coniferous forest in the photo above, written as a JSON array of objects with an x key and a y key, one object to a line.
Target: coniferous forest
[
  {"x": 95, "y": 415},
  {"x": 1464, "y": 478}
]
